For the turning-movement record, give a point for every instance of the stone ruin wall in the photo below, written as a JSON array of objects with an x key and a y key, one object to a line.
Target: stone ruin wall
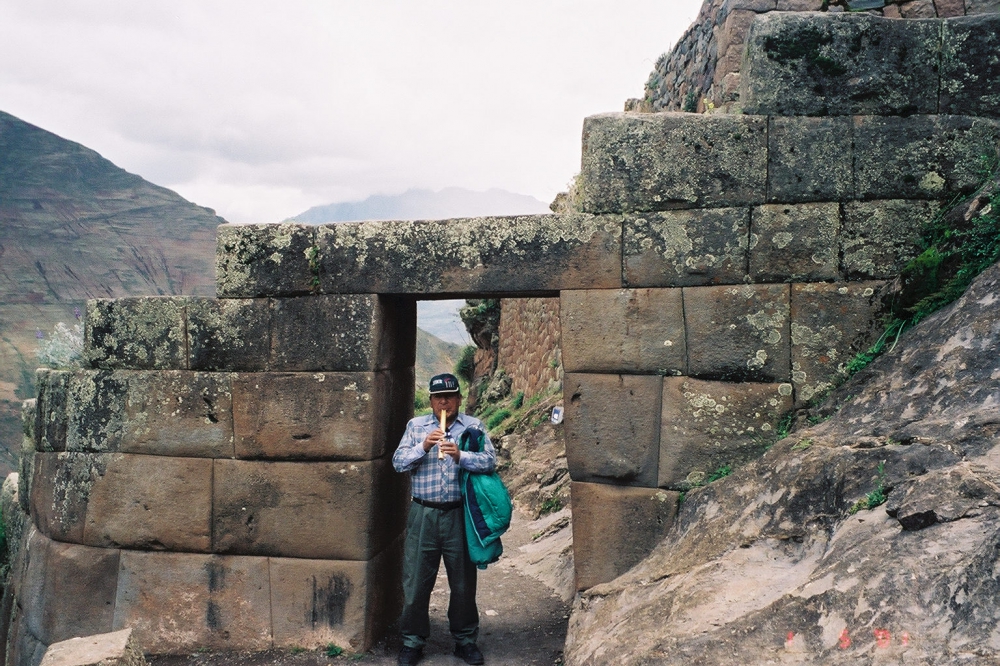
[
  {"x": 530, "y": 350},
  {"x": 720, "y": 269},
  {"x": 705, "y": 63}
]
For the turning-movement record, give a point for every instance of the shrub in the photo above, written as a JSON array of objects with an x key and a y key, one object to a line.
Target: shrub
[
  {"x": 497, "y": 418},
  {"x": 63, "y": 348},
  {"x": 518, "y": 400},
  {"x": 465, "y": 366}
]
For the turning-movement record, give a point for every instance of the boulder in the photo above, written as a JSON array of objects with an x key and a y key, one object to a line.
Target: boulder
[{"x": 117, "y": 648}]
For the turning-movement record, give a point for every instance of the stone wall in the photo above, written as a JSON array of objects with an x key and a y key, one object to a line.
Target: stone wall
[
  {"x": 720, "y": 270},
  {"x": 530, "y": 350},
  {"x": 705, "y": 64}
]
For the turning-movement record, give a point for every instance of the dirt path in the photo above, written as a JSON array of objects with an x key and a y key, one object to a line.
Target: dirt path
[{"x": 522, "y": 622}]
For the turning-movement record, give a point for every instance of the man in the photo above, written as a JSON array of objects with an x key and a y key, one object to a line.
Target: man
[{"x": 435, "y": 528}]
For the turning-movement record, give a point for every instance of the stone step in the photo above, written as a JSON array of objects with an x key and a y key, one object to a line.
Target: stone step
[{"x": 828, "y": 64}]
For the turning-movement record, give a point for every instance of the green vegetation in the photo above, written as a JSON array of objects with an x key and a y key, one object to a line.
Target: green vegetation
[
  {"x": 421, "y": 400},
  {"x": 876, "y": 497},
  {"x": 690, "y": 102},
  {"x": 953, "y": 251},
  {"x": 550, "y": 505},
  {"x": 334, "y": 650},
  {"x": 720, "y": 473},
  {"x": 802, "y": 445},
  {"x": 518, "y": 400},
  {"x": 497, "y": 417},
  {"x": 465, "y": 366}
]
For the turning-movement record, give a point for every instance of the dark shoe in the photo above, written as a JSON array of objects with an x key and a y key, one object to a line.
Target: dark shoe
[
  {"x": 410, "y": 656},
  {"x": 469, "y": 653}
]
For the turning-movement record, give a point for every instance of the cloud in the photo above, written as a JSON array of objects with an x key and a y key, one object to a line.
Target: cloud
[{"x": 262, "y": 109}]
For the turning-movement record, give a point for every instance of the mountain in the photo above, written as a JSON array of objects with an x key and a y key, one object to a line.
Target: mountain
[
  {"x": 416, "y": 204},
  {"x": 74, "y": 226},
  {"x": 434, "y": 356}
]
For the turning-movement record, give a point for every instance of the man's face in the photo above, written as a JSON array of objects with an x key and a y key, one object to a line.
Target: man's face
[{"x": 449, "y": 402}]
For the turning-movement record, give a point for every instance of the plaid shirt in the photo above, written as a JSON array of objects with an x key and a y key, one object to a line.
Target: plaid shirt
[{"x": 436, "y": 480}]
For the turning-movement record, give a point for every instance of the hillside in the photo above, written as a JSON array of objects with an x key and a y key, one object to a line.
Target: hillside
[
  {"x": 434, "y": 356},
  {"x": 75, "y": 226}
]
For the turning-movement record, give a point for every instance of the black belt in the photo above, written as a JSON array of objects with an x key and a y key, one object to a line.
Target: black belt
[{"x": 444, "y": 506}]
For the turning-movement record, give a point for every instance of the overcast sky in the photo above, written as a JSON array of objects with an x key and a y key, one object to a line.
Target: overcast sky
[{"x": 263, "y": 109}]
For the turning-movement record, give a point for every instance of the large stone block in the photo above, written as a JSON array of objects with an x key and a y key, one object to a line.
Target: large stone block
[
  {"x": 623, "y": 330},
  {"x": 831, "y": 322},
  {"x": 738, "y": 333},
  {"x": 795, "y": 242},
  {"x": 254, "y": 260},
  {"x": 122, "y": 500},
  {"x": 229, "y": 334},
  {"x": 151, "y": 503},
  {"x": 178, "y": 602},
  {"x": 23, "y": 649},
  {"x": 320, "y": 416},
  {"x": 174, "y": 412},
  {"x": 615, "y": 527},
  {"x": 318, "y": 602},
  {"x": 343, "y": 333},
  {"x": 60, "y": 492},
  {"x": 686, "y": 247},
  {"x": 484, "y": 254},
  {"x": 921, "y": 157},
  {"x": 69, "y": 590},
  {"x": 142, "y": 333},
  {"x": 839, "y": 64},
  {"x": 319, "y": 510},
  {"x": 661, "y": 161},
  {"x": 809, "y": 159},
  {"x": 50, "y": 409},
  {"x": 613, "y": 428},
  {"x": 707, "y": 425},
  {"x": 117, "y": 648},
  {"x": 970, "y": 69},
  {"x": 879, "y": 237}
]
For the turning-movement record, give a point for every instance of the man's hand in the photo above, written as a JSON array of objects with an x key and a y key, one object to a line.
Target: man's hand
[
  {"x": 432, "y": 438},
  {"x": 451, "y": 449}
]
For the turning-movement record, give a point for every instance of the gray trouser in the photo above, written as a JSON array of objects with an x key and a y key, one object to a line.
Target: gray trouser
[{"x": 433, "y": 534}]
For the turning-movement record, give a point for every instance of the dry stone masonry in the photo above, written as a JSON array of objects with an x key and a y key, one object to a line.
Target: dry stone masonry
[{"x": 219, "y": 476}]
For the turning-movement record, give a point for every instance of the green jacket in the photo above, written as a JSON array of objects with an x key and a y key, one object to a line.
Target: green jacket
[{"x": 487, "y": 506}]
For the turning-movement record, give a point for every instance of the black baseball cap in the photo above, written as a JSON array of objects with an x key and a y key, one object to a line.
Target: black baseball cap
[{"x": 446, "y": 383}]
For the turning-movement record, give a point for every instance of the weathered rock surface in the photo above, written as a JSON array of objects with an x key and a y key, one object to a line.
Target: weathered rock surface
[
  {"x": 118, "y": 648},
  {"x": 770, "y": 565}
]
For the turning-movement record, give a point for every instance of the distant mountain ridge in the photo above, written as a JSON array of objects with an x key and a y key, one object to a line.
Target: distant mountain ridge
[
  {"x": 422, "y": 204},
  {"x": 74, "y": 226}
]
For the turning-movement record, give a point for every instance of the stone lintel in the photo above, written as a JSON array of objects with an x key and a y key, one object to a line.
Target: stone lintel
[
  {"x": 525, "y": 253},
  {"x": 615, "y": 527},
  {"x": 254, "y": 260}
]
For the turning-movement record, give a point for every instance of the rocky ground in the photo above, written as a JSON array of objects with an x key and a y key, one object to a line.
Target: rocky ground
[{"x": 523, "y": 599}]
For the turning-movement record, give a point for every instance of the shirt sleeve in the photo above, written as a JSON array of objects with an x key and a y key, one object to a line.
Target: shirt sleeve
[
  {"x": 409, "y": 453},
  {"x": 483, "y": 462}
]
